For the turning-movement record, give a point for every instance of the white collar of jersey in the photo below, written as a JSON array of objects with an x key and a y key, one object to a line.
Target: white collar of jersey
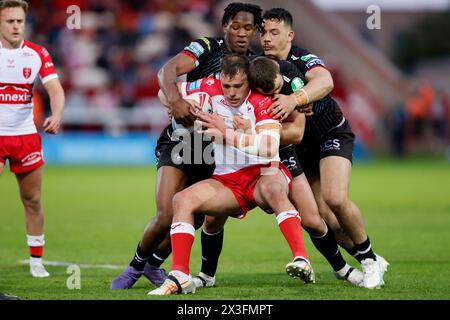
[
  {"x": 22, "y": 44},
  {"x": 246, "y": 99}
]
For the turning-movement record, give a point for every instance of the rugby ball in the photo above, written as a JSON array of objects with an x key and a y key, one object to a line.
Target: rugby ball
[{"x": 204, "y": 104}]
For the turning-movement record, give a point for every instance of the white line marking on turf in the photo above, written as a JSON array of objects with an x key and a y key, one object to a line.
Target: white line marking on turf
[{"x": 81, "y": 265}]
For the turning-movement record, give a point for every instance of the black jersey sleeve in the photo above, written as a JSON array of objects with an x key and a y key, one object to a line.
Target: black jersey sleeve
[
  {"x": 200, "y": 49},
  {"x": 292, "y": 77},
  {"x": 304, "y": 60}
]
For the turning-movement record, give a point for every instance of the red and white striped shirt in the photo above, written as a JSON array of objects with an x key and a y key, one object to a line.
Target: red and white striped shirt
[{"x": 18, "y": 71}]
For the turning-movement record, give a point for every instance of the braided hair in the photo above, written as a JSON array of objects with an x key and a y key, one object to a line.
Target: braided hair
[{"x": 235, "y": 7}]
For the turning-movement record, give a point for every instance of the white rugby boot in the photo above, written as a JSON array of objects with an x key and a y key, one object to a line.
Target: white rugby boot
[
  {"x": 203, "y": 280},
  {"x": 383, "y": 267},
  {"x": 373, "y": 276},
  {"x": 350, "y": 274},
  {"x": 37, "y": 269}
]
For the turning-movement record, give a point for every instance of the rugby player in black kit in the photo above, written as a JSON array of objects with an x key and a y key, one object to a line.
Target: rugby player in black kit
[
  {"x": 201, "y": 58},
  {"x": 326, "y": 150}
]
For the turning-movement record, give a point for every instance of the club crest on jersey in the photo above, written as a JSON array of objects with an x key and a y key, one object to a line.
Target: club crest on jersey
[
  {"x": 26, "y": 72},
  {"x": 210, "y": 82}
]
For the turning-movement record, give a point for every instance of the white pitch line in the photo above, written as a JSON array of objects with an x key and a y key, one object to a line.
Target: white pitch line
[{"x": 81, "y": 265}]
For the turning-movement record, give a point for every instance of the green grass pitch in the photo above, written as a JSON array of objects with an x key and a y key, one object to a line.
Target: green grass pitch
[{"x": 96, "y": 215}]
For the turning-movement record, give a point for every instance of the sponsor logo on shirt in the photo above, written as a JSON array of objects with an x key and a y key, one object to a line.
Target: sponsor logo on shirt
[
  {"x": 297, "y": 84},
  {"x": 294, "y": 58},
  {"x": 15, "y": 95},
  {"x": 308, "y": 56},
  {"x": 314, "y": 62},
  {"x": 206, "y": 41},
  {"x": 194, "y": 85},
  {"x": 45, "y": 53},
  {"x": 196, "y": 49}
]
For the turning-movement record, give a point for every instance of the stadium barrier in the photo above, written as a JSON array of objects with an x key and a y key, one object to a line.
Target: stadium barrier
[
  {"x": 99, "y": 149},
  {"x": 128, "y": 149}
]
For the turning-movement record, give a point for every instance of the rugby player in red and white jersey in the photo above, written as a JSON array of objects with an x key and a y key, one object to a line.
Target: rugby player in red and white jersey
[
  {"x": 248, "y": 173},
  {"x": 20, "y": 63}
]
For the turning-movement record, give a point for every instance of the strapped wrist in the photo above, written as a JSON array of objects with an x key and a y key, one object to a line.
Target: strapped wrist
[{"x": 301, "y": 97}]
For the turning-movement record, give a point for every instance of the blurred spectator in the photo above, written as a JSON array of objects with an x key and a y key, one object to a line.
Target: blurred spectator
[
  {"x": 440, "y": 119},
  {"x": 112, "y": 61},
  {"x": 419, "y": 104},
  {"x": 363, "y": 111},
  {"x": 396, "y": 125}
]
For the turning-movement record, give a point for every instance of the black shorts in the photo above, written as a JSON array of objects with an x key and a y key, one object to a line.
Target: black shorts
[
  {"x": 194, "y": 170},
  {"x": 289, "y": 158},
  {"x": 337, "y": 142}
]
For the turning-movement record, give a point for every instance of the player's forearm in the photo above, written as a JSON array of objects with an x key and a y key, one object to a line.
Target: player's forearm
[
  {"x": 291, "y": 134},
  {"x": 57, "y": 105},
  {"x": 167, "y": 77},
  {"x": 317, "y": 88},
  {"x": 57, "y": 99},
  {"x": 264, "y": 144},
  {"x": 163, "y": 99}
]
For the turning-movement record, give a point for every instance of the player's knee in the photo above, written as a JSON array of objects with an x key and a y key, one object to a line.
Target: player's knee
[
  {"x": 336, "y": 200},
  {"x": 163, "y": 221},
  {"x": 273, "y": 191},
  {"x": 313, "y": 224},
  {"x": 164, "y": 215},
  {"x": 214, "y": 224},
  {"x": 181, "y": 202},
  {"x": 32, "y": 203}
]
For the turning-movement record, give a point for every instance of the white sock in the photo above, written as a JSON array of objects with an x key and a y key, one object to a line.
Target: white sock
[
  {"x": 343, "y": 271},
  {"x": 35, "y": 241},
  {"x": 35, "y": 260},
  {"x": 205, "y": 276}
]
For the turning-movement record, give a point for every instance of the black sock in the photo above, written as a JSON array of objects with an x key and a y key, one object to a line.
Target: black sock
[
  {"x": 139, "y": 259},
  {"x": 158, "y": 257},
  {"x": 353, "y": 252},
  {"x": 327, "y": 246},
  {"x": 211, "y": 249},
  {"x": 365, "y": 251}
]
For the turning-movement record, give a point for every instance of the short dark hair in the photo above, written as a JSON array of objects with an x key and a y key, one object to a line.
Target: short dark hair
[
  {"x": 235, "y": 7},
  {"x": 262, "y": 74},
  {"x": 279, "y": 14},
  {"x": 4, "y": 4},
  {"x": 234, "y": 63}
]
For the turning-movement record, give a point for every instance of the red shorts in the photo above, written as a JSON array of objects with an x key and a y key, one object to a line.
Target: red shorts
[
  {"x": 242, "y": 182},
  {"x": 24, "y": 152}
]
